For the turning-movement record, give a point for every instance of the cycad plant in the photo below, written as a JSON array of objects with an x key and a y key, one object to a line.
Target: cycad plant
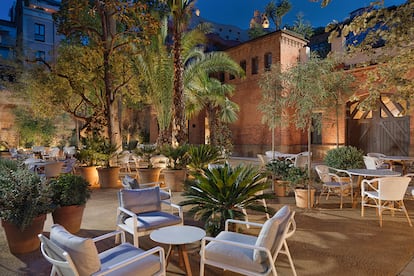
[
  {"x": 222, "y": 193},
  {"x": 202, "y": 155}
]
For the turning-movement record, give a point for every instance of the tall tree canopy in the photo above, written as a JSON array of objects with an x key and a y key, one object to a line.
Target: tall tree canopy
[{"x": 94, "y": 69}]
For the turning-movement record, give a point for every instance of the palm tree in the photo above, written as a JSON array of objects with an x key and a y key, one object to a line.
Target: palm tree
[
  {"x": 181, "y": 13},
  {"x": 276, "y": 11},
  {"x": 221, "y": 193}
]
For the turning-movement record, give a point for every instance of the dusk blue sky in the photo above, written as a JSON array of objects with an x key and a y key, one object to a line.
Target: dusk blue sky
[{"x": 239, "y": 12}]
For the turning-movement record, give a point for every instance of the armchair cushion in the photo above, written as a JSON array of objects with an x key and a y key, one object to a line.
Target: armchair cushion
[
  {"x": 141, "y": 201},
  {"x": 269, "y": 235},
  {"x": 228, "y": 254},
  {"x": 149, "y": 265},
  {"x": 154, "y": 220},
  {"x": 82, "y": 250}
]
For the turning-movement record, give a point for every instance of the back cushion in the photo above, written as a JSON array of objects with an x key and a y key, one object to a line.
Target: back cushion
[
  {"x": 271, "y": 233},
  {"x": 82, "y": 250},
  {"x": 140, "y": 200}
]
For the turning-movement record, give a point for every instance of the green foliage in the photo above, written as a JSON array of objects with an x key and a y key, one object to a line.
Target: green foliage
[
  {"x": 279, "y": 169},
  {"x": 202, "y": 155},
  {"x": 276, "y": 11},
  {"x": 345, "y": 158},
  {"x": 23, "y": 195},
  {"x": 96, "y": 150},
  {"x": 146, "y": 151},
  {"x": 33, "y": 130},
  {"x": 297, "y": 176},
  {"x": 220, "y": 193},
  {"x": 69, "y": 189},
  {"x": 178, "y": 156}
]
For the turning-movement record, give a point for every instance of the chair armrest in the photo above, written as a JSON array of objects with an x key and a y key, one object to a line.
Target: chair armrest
[
  {"x": 109, "y": 235},
  {"x": 128, "y": 261},
  {"x": 228, "y": 221},
  {"x": 237, "y": 244},
  {"x": 178, "y": 207},
  {"x": 126, "y": 211},
  {"x": 368, "y": 184}
]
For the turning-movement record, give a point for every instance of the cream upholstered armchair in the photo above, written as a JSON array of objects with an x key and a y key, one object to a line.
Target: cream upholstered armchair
[
  {"x": 250, "y": 255},
  {"x": 73, "y": 255},
  {"x": 140, "y": 212}
]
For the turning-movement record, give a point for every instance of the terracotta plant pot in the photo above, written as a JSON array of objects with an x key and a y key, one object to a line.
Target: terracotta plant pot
[
  {"x": 69, "y": 217},
  {"x": 90, "y": 174},
  {"x": 24, "y": 241},
  {"x": 147, "y": 175},
  {"x": 174, "y": 179},
  {"x": 301, "y": 197},
  {"x": 280, "y": 187},
  {"x": 108, "y": 177}
]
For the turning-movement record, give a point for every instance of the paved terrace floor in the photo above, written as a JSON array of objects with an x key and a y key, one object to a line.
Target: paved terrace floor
[{"x": 328, "y": 241}]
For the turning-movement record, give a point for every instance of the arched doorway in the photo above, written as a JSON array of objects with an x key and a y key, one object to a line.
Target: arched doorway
[{"x": 385, "y": 130}]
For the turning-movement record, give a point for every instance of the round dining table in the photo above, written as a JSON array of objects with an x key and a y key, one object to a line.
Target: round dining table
[{"x": 403, "y": 160}]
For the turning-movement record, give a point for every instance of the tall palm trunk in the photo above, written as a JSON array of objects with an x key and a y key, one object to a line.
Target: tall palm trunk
[{"x": 179, "y": 131}]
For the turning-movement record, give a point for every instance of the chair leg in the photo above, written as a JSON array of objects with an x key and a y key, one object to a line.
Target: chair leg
[
  {"x": 246, "y": 218},
  {"x": 287, "y": 252},
  {"x": 406, "y": 213},
  {"x": 265, "y": 205}
]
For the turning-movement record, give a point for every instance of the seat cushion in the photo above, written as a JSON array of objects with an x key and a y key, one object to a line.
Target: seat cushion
[
  {"x": 154, "y": 220},
  {"x": 82, "y": 250},
  {"x": 146, "y": 266},
  {"x": 233, "y": 255},
  {"x": 270, "y": 234},
  {"x": 140, "y": 200}
]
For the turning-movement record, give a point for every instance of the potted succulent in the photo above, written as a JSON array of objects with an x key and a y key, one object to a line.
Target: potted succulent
[
  {"x": 149, "y": 173},
  {"x": 70, "y": 194},
  {"x": 25, "y": 199},
  {"x": 278, "y": 169},
  {"x": 175, "y": 173}
]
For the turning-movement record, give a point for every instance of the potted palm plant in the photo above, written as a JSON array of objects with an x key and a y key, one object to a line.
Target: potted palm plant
[
  {"x": 25, "y": 199},
  {"x": 70, "y": 194},
  {"x": 108, "y": 174},
  {"x": 279, "y": 170},
  {"x": 149, "y": 173},
  {"x": 175, "y": 173},
  {"x": 221, "y": 193},
  {"x": 202, "y": 155},
  {"x": 88, "y": 158}
]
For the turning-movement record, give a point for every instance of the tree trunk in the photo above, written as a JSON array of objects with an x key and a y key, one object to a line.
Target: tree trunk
[{"x": 179, "y": 132}]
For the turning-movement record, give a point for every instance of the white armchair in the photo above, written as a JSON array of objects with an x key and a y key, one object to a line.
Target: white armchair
[
  {"x": 73, "y": 255},
  {"x": 140, "y": 212},
  {"x": 250, "y": 255},
  {"x": 385, "y": 192}
]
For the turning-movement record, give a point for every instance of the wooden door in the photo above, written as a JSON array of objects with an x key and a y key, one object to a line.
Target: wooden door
[{"x": 385, "y": 130}]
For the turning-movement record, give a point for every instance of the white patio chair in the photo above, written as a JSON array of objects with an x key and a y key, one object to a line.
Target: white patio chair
[
  {"x": 129, "y": 182},
  {"x": 301, "y": 159},
  {"x": 123, "y": 161},
  {"x": 73, "y": 255},
  {"x": 140, "y": 212},
  {"x": 380, "y": 164},
  {"x": 385, "y": 192},
  {"x": 246, "y": 254},
  {"x": 333, "y": 184}
]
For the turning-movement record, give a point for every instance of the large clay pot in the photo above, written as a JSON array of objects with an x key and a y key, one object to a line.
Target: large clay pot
[
  {"x": 90, "y": 174},
  {"x": 174, "y": 179},
  {"x": 69, "y": 217},
  {"x": 109, "y": 177},
  {"x": 24, "y": 241},
  {"x": 147, "y": 175},
  {"x": 280, "y": 187},
  {"x": 301, "y": 197}
]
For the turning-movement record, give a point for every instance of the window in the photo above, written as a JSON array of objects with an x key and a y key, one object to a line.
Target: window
[
  {"x": 40, "y": 55},
  {"x": 243, "y": 65},
  {"x": 255, "y": 65},
  {"x": 267, "y": 61},
  {"x": 39, "y": 32}
]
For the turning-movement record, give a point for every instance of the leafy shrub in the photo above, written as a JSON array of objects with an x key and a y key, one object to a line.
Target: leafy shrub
[
  {"x": 69, "y": 189},
  {"x": 23, "y": 195},
  {"x": 344, "y": 158}
]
